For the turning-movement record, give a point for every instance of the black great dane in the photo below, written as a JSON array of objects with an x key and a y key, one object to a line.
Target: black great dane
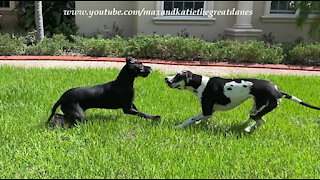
[
  {"x": 218, "y": 94},
  {"x": 113, "y": 95}
]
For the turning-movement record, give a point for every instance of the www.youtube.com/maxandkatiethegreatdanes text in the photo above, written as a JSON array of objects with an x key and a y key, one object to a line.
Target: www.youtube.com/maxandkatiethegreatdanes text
[{"x": 145, "y": 12}]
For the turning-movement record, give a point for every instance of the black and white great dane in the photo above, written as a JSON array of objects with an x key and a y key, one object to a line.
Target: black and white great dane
[
  {"x": 218, "y": 94},
  {"x": 112, "y": 95}
]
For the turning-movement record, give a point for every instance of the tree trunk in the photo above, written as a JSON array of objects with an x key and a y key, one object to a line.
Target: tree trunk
[{"x": 39, "y": 20}]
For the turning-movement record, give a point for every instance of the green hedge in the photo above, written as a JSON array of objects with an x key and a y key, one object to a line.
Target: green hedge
[
  {"x": 100, "y": 47},
  {"x": 167, "y": 48},
  {"x": 57, "y": 45},
  {"x": 306, "y": 54},
  {"x": 11, "y": 45},
  {"x": 191, "y": 49},
  {"x": 250, "y": 51}
]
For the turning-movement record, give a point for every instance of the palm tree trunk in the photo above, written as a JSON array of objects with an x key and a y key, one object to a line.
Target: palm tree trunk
[{"x": 39, "y": 20}]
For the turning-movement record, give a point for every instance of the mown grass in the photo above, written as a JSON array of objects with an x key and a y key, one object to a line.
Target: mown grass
[{"x": 113, "y": 145}]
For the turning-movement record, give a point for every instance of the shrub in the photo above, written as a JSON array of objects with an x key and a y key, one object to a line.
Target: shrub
[
  {"x": 250, "y": 52},
  {"x": 151, "y": 46},
  {"x": 220, "y": 50},
  {"x": 101, "y": 47},
  {"x": 178, "y": 48},
  {"x": 256, "y": 52},
  {"x": 164, "y": 47},
  {"x": 11, "y": 45},
  {"x": 306, "y": 54},
  {"x": 77, "y": 44},
  {"x": 186, "y": 48},
  {"x": 57, "y": 45},
  {"x": 211, "y": 53},
  {"x": 272, "y": 54},
  {"x": 287, "y": 47}
]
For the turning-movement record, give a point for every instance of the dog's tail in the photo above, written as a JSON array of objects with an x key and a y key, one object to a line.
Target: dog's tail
[
  {"x": 297, "y": 100},
  {"x": 53, "y": 111}
]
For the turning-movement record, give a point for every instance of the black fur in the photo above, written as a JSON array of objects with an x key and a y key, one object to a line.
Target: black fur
[{"x": 117, "y": 94}]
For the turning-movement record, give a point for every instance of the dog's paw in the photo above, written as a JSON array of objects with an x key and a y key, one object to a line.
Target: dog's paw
[
  {"x": 198, "y": 122},
  {"x": 251, "y": 129}
]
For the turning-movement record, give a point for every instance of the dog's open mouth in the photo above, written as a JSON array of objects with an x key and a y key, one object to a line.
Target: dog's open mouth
[
  {"x": 145, "y": 73},
  {"x": 168, "y": 83},
  {"x": 172, "y": 85}
]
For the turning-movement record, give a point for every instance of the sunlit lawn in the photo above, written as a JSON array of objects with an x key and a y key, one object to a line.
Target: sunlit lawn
[{"x": 114, "y": 145}]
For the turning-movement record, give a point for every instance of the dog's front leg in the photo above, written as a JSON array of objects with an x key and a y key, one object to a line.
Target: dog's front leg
[
  {"x": 135, "y": 111},
  {"x": 199, "y": 117}
]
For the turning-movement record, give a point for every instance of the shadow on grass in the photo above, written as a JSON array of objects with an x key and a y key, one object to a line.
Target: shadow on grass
[
  {"x": 113, "y": 117},
  {"x": 93, "y": 118},
  {"x": 101, "y": 118},
  {"x": 236, "y": 129},
  {"x": 57, "y": 122}
]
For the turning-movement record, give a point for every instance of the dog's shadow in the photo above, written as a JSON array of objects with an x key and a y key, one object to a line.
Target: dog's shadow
[
  {"x": 236, "y": 129},
  {"x": 89, "y": 119},
  {"x": 103, "y": 118}
]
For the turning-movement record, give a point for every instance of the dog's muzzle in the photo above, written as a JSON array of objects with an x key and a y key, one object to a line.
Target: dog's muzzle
[
  {"x": 168, "y": 82},
  {"x": 146, "y": 71}
]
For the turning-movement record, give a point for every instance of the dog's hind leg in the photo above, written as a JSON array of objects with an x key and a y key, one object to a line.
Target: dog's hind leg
[
  {"x": 255, "y": 126},
  {"x": 263, "y": 106},
  {"x": 73, "y": 113},
  {"x": 58, "y": 120},
  {"x": 252, "y": 112}
]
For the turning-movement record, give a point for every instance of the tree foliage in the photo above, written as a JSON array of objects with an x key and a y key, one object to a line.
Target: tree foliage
[
  {"x": 307, "y": 8},
  {"x": 54, "y": 20}
]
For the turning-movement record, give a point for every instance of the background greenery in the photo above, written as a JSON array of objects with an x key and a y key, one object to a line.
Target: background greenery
[
  {"x": 307, "y": 9},
  {"x": 164, "y": 47},
  {"x": 113, "y": 145},
  {"x": 55, "y": 22}
]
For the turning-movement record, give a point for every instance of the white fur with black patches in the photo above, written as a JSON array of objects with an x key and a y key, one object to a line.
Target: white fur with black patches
[
  {"x": 236, "y": 92},
  {"x": 224, "y": 94}
]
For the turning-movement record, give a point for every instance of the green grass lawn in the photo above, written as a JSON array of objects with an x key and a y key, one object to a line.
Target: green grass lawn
[{"x": 114, "y": 145}]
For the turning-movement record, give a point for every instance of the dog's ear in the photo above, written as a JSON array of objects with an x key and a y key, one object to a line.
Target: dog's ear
[
  {"x": 188, "y": 76},
  {"x": 129, "y": 59}
]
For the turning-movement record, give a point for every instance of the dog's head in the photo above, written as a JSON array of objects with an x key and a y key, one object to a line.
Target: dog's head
[
  {"x": 180, "y": 81},
  {"x": 136, "y": 68}
]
